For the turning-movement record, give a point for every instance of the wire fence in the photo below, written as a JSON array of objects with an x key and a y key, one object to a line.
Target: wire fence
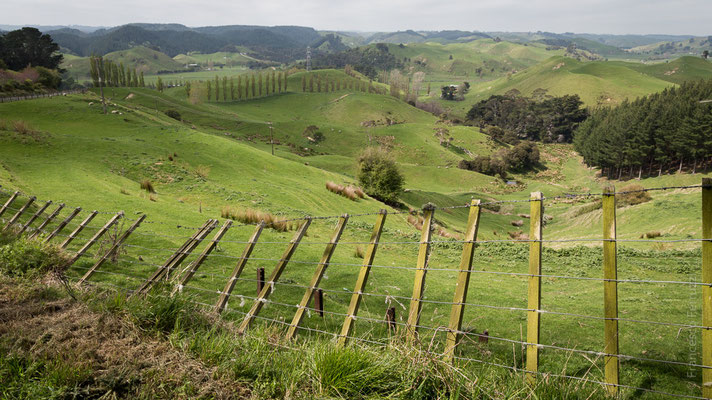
[
  {"x": 208, "y": 264},
  {"x": 9, "y": 99}
]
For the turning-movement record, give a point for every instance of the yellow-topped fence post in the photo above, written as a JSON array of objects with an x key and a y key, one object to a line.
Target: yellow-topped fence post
[
  {"x": 357, "y": 295},
  {"x": 707, "y": 288},
  {"x": 463, "y": 281},
  {"x": 316, "y": 278},
  {"x": 610, "y": 290},
  {"x": 536, "y": 218},
  {"x": 420, "y": 272}
]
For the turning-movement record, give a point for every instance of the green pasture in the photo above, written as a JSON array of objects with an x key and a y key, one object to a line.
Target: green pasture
[{"x": 221, "y": 156}]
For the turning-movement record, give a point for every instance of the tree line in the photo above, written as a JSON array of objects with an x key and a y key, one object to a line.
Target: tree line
[
  {"x": 243, "y": 88},
  {"x": 659, "y": 132},
  {"x": 366, "y": 60},
  {"x": 323, "y": 83},
  {"x": 110, "y": 74},
  {"x": 538, "y": 118}
]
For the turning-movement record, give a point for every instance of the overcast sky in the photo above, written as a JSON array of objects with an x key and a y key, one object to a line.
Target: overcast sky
[{"x": 587, "y": 16}]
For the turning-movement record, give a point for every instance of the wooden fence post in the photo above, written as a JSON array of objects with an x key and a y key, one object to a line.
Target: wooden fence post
[
  {"x": 319, "y": 302},
  {"x": 316, "y": 277},
  {"x": 8, "y": 203},
  {"x": 94, "y": 238},
  {"x": 225, "y": 295},
  {"x": 62, "y": 224},
  {"x": 391, "y": 319},
  {"x": 610, "y": 289},
  {"x": 19, "y": 213},
  {"x": 47, "y": 221},
  {"x": 204, "y": 255},
  {"x": 534, "y": 294},
  {"x": 707, "y": 288},
  {"x": 463, "y": 281},
  {"x": 422, "y": 269},
  {"x": 260, "y": 279},
  {"x": 112, "y": 249},
  {"x": 34, "y": 217},
  {"x": 78, "y": 229},
  {"x": 278, "y": 269},
  {"x": 357, "y": 295},
  {"x": 183, "y": 251}
]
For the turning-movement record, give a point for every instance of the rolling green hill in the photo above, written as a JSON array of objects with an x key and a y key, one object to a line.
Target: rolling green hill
[
  {"x": 142, "y": 58},
  {"x": 482, "y": 59},
  {"x": 228, "y": 59},
  {"x": 677, "y": 71},
  {"x": 596, "y": 82}
]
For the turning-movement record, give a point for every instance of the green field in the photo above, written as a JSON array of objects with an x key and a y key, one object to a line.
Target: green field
[{"x": 220, "y": 155}]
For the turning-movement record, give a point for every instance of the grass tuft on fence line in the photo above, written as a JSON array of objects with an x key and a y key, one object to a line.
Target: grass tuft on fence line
[{"x": 252, "y": 216}]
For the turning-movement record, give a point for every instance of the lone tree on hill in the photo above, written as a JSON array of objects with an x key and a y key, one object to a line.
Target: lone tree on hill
[
  {"x": 379, "y": 176},
  {"x": 28, "y": 46}
]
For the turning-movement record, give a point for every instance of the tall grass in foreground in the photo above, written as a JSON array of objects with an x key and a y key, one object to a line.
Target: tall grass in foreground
[{"x": 275, "y": 367}]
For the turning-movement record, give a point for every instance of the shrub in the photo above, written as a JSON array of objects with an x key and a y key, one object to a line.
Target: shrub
[
  {"x": 173, "y": 114},
  {"x": 379, "y": 176},
  {"x": 147, "y": 186},
  {"x": 632, "y": 195},
  {"x": 27, "y": 257}
]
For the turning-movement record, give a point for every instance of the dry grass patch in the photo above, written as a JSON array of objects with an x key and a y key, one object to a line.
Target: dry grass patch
[
  {"x": 632, "y": 195},
  {"x": 202, "y": 171},
  {"x": 252, "y": 216},
  {"x": 350, "y": 192},
  {"x": 147, "y": 186}
]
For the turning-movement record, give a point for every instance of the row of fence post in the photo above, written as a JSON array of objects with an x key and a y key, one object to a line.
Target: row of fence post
[
  {"x": 9, "y": 99},
  {"x": 611, "y": 333}
]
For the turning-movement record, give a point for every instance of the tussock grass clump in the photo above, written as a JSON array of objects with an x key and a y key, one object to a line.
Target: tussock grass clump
[
  {"x": 22, "y": 127},
  {"x": 3, "y": 125},
  {"x": 651, "y": 235},
  {"x": 252, "y": 216},
  {"x": 147, "y": 186},
  {"x": 351, "y": 372},
  {"x": 635, "y": 196},
  {"x": 202, "y": 171},
  {"x": 350, "y": 192}
]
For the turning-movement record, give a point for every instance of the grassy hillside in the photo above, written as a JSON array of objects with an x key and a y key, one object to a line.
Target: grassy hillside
[
  {"x": 471, "y": 61},
  {"x": 142, "y": 58},
  {"x": 228, "y": 59},
  {"x": 677, "y": 71},
  {"x": 219, "y": 155},
  {"x": 596, "y": 82}
]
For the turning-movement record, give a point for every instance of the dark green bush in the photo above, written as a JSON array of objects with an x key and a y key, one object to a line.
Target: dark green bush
[
  {"x": 173, "y": 114},
  {"x": 378, "y": 175}
]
